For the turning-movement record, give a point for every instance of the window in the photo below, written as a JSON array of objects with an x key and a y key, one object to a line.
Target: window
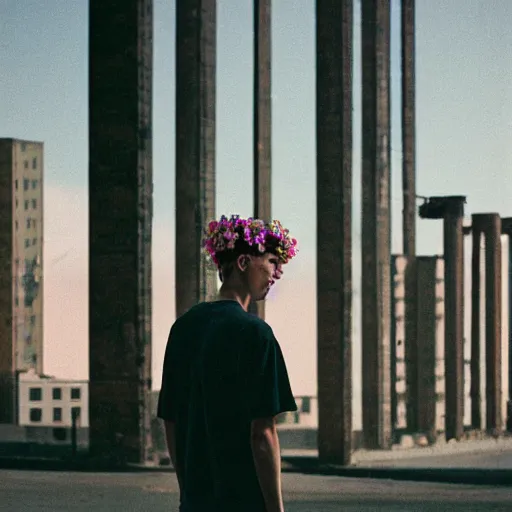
[
  {"x": 36, "y": 415},
  {"x": 16, "y": 225},
  {"x": 25, "y": 164},
  {"x": 59, "y": 434},
  {"x": 16, "y": 202},
  {"x": 34, "y": 241},
  {"x": 23, "y": 147},
  {"x": 26, "y": 204},
  {"x": 33, "y": 320},
  {"x": 57, "y": 414},
  {"x": 75, "y": 393},
  {"x": 35, "y": 394},
  {"x": 306, "y": 404},
  {"x": 34, "y": 184},
  {"x": 34, "y": 203},
  {"x": 27, "y": 242},
  {"x": 26, "y": 184},
  {"x": 75, "y": 413},
  {"x": 34, "y": 163},
  {"x": 16, "y": 184},
  {"x": 28, "y": 222},
  {"x": 57, "y": 393}
]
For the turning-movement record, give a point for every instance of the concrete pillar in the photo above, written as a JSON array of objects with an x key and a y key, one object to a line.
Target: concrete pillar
[
  {"x": 262, "y": 119},
  {"x": 376, "y": 231},
  {"x": 196, "y": 281},
  {"x": 7, "y": 283},
  {"x": 493, "y": 322},
  {"x": 428, "y": 339},
  {"x": 475, "y": 370},
  {"x": 120, "y": 216},
  {"x": 334, "y": 28},
  {"x": 454, "y": 320},
  {"x": 506, "y": 229},
  {"x": 414, "y": 403}
]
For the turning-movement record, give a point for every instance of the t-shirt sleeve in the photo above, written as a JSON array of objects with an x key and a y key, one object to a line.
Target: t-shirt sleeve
[
  {"x": 269, "y": 386},
  {"x": 168, "y": 396}
]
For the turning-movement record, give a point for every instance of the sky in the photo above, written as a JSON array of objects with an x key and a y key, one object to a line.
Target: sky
[{"x": 464, "y": 129}]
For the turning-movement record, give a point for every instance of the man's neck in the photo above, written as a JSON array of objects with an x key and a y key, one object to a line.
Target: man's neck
[{"x": 229, "y": 293}]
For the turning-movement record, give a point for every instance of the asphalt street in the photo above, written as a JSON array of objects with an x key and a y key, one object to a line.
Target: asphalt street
[{"x": 31, "y": 491}]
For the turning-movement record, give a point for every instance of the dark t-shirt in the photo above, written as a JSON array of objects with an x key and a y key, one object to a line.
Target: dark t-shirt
[{"x": 223, "y": 368}]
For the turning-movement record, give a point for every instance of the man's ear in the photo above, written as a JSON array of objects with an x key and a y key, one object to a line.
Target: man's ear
[{"x": 243, "y": 262}]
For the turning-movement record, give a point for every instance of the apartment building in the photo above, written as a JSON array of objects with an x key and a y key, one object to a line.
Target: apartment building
[{"x": 21, "y": 264}]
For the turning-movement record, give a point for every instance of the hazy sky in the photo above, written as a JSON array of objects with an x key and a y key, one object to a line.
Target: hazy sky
[{"x": 464, "y": 127}]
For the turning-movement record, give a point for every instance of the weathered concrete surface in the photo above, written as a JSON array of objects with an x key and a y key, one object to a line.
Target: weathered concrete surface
[
  {"x": 196, "y": 35},
  {"x": 334, "y": 20},
  {"x": 29, "y": 491},
  {"x": 376, "y": 227},
  {"x": 120, "y": 220}
]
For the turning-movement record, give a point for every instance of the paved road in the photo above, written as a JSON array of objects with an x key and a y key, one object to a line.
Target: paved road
[{"x": 31, "y": 491}]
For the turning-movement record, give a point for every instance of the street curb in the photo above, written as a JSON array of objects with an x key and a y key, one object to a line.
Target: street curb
[
  {"x": 472, "y": 476},
  {"x": 494, "y": 477}
]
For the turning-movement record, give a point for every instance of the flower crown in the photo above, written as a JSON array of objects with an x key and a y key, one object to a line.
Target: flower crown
[{"x": 222, "y": 235}]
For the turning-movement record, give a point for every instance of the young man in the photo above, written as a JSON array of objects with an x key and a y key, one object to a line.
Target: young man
[{"x": 225, "y": 380}]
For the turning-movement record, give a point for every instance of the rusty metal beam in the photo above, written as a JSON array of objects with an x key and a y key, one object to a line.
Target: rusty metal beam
[
  {"x": 414, "y": 401},
  {"x": 334, "y": 29},
  {"x": 195, "y": 148},
  {"x": 120, "y": 216},
  {"x": 376, "y": 222},
  {"x": 262, "y": 119},
  {"x": 493, "y": 294}
]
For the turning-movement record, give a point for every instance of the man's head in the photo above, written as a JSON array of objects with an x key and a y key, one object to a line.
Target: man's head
[{"x": 249, "y": 253}]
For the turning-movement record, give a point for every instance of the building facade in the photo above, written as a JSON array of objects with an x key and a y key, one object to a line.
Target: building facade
[
  {"x": 49, "y": 402},
  {"x": 21, "y": 263},
  {"x": 430, "y": 344}
]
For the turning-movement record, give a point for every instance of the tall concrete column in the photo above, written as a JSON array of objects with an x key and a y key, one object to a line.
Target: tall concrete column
[
  {"x": 475, "y": 365},
  {"x": 506, "y": 229},
  {"x": 451, "y": 210},
  {"x": 493, "y": 383},
  {"x": 454, "y": 321},
  {"x": 120, "y": 216},
  {"x": 376, "y": 222},
  {"x": 334, "y": 29},
  {"x": 414, "y": 402},
  {"x": 262, "y": 119},
  {"x": 195, "y": 148}
]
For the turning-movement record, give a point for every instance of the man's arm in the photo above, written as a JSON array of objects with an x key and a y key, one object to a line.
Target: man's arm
[
  {"x": 170, "y": 436},
  {"x": 267, "y": 461}
]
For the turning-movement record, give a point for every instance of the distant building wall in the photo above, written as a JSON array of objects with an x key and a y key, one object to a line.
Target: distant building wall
[
  {"x": 48, "y": 402},
  {"x": 430, "y": 343},
  {"x": 21, "y": 264},
  {"x": 430, "y": 275},
  {"x": 398, "y": 394}
]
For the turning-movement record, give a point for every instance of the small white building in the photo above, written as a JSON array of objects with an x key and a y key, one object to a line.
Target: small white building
[{"x": 50, "y": 402}]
